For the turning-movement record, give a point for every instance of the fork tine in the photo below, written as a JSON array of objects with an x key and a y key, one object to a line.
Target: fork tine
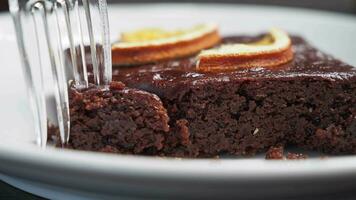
[
  {"x": 78, "y": 13},
  {"x": 34, "y": 89},
  {"x": 105, "y": 42},
  {"x": 100, "y": 47},
  {"x": 40, "y": 87},
  {"x": 93, "y": 51},
  {"x": 60, "y": 86},
  {"x": 80, "y": 78}
]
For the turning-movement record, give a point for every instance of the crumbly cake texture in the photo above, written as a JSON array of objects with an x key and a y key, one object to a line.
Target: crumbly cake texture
[
  {"x": 277, "y": 153},
  {"x": 119, "y": 120},
  {"x": 309, "y": 102}
]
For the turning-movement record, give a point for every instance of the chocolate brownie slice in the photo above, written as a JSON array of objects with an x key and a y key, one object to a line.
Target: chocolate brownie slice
[
  {"x": 309, "y": 102},
  {"x": 120, "y": 120}
]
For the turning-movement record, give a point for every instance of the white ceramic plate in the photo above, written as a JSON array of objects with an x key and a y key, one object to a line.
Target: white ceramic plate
[{"x": 53, "y": 172}]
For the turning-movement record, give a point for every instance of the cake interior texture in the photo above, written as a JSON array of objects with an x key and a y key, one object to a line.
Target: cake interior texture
[
  {"x": 171, "y": 109},
  {"x": 120, "y": 120}
]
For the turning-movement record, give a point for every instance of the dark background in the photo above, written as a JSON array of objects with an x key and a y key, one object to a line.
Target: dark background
[
  {"x": 347, "y": 6},
  {"x": 344, "y": 6}
]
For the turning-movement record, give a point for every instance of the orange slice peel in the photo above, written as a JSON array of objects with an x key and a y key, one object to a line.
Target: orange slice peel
[
  {"x": 153, "y": 45},
  {"x": 273, "y": 50}
]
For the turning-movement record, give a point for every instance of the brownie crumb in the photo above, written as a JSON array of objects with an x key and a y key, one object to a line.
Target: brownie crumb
[
  {"x": 53, "y": 134},
  {"x": 184, "y": 134},
  {"x": 296, "y": 156},
  {"x": 109, "y": 149},
  {"x": 116, "y": 85},
  {"x": 275, "y": 153}
]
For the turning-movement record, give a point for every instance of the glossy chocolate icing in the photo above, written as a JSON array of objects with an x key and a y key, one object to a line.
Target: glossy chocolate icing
[{"x": 308, "y": 61}]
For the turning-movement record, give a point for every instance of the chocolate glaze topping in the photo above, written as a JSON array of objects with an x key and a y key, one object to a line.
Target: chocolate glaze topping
[{"x": 308, "y": 61}]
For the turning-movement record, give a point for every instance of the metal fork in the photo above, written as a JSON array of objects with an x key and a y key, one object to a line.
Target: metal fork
[{"x": 49, "y": 30}]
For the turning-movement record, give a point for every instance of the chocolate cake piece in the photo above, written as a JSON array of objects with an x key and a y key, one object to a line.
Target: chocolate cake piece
[
  {"x": 309, "y": 102},
  {"x": 119, "y": 120}
]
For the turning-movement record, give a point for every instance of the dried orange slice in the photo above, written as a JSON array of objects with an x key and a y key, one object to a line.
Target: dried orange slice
[
  {"x": 152, "y": 45},
  {"x": 273, "y": 50},
  {"x": 149, "y": 34}
]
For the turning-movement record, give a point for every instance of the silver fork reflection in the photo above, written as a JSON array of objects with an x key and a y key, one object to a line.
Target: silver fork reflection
[{"x": 48, "y": 31}]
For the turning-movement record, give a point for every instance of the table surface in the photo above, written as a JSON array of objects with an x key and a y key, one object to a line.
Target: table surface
[{"x": 9, "y": 192}]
